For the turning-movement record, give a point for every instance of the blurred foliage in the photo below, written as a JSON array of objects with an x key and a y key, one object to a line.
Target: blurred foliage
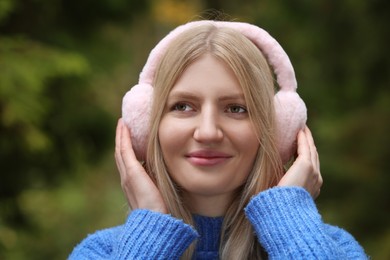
[
  {"x": 65, "y": 65},
  {"x": 53, "y": 126}
]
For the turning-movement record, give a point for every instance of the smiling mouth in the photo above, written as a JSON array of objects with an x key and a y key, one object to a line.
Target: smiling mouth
[{"x": 207, "y": 158}]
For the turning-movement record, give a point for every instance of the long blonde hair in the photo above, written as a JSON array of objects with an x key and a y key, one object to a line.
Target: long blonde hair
[{"x": 238, "y": 239}]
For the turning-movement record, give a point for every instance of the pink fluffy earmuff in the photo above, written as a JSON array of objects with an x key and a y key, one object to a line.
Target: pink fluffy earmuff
[{"x": 290, "y": 109}]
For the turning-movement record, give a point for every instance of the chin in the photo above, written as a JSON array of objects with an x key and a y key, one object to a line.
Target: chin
[{"x": 208, "y": 190}]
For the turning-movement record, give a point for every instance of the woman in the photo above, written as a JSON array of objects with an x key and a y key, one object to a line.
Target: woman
[{"x": 213, "y": 186}]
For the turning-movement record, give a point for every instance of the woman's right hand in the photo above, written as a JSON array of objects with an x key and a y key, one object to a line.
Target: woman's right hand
[{"x": 139, "y": 189}]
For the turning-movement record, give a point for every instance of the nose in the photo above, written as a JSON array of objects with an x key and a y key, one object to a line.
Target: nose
[{"x": 208, "y": 129}]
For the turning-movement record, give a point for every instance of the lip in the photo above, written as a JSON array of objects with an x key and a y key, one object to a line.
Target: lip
[{"x": 207, "y": 157}]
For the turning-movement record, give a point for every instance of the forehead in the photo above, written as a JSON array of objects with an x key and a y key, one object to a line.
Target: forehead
[{"x": 210, "y": 75}]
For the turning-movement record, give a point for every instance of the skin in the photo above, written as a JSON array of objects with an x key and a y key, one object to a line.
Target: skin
[
  {"x": 142, "y": 193},
  {"x": 305, "y": 171},
  {"x": 139, "y": 189},
  {"x": 203, "y": 121},
  {"x": 207, "y": 139}
]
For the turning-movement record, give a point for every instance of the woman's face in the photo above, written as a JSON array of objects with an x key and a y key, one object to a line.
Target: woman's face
[{"x": 207, "y": 139}]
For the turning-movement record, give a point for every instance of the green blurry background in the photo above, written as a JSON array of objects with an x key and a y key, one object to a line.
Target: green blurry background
[{"x": 65, "y": 65}]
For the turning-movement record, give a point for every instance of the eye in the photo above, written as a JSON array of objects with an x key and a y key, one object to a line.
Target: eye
[
  {"x": 182, "y": 107},
  {"x": 236, "y": 109}
]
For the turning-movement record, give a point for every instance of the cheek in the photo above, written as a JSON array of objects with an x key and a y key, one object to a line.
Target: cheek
[
  {"x": 164, "y": 136},
  {"x": 246, "y": 139},
  {"x": 171, "y": 137},
  {"x": 252, "y": 145},
  {"x": 250, "y": 148}
]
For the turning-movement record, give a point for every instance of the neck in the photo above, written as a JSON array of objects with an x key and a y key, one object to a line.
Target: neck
[{"x": 208, "y": 205}]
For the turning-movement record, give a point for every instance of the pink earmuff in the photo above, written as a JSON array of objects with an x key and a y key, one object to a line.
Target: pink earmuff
[{"x": 290, "y": 109}]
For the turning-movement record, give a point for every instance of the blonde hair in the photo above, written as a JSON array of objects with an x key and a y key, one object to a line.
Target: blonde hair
[{"x": 238, "y": 239}]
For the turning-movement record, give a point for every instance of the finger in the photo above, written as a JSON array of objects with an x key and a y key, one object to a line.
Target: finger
[
  {"x": 127, "y": 167},
  {"x": 139, "y": 189},
  {"x": 312, "y": 148},
  {"x": 303, "y": 147},
  {"x": 118, "y": 156},
  {"x": 126, "y": 147},
  {"x": 118, "y": 135},
  {"x": 320, "y": 180},
  {"x": 318, "y": 192},
  {"x": 133, "y": 170}
]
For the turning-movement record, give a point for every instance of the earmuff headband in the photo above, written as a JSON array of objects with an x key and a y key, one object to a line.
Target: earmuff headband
[{"x": 289, "y": 107}]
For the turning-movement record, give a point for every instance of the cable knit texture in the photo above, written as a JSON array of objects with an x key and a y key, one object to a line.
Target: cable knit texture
[{"x": 286, "y": 222}]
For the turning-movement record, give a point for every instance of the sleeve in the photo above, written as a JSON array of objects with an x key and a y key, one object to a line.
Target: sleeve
[
  {"x": 145, "y": 235},
  {"x": 288, "y": 226}
]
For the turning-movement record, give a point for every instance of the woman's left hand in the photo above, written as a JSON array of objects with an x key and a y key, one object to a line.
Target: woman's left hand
[{"x": 305, "y": 171}]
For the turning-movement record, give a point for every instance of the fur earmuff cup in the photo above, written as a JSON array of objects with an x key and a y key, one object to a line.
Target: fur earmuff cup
[
  {"x": 291, "y": 116},
  {"x": 136, "y": 108}
]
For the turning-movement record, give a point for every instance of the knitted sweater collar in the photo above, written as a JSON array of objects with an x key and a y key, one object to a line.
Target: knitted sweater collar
[{"x": 209, "y": 229}]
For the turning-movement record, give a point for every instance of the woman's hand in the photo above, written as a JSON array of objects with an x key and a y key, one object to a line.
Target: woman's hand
[
  {"x": 140, "y": 190},
  {"x": 305, "y": 171}
]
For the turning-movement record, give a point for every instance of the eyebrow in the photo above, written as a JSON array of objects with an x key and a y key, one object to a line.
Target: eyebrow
[
  {"x": 232, "y": 97},
  {"x": 191, "y": 95},
  {"x": 181, "y": 94}
]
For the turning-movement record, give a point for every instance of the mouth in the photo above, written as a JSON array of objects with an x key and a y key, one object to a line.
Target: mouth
[{"x": 207, "y": 158}]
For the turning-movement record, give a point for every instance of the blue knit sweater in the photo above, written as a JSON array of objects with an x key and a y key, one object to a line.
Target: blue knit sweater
[{"x": 286, "y": 222}]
